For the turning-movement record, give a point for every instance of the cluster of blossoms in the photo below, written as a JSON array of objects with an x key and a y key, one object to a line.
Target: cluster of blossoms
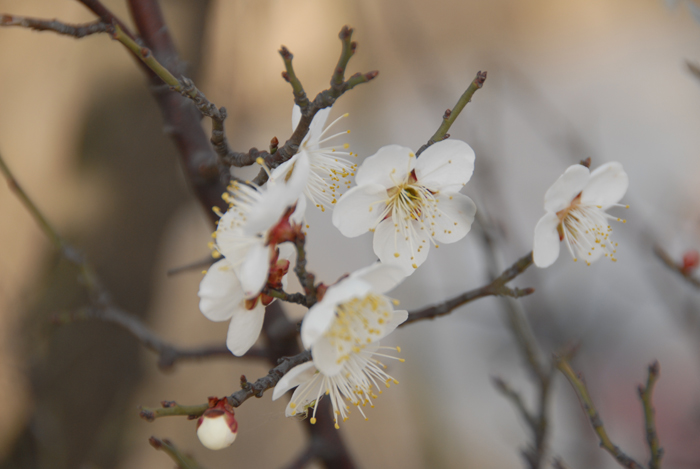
[{"x": 408, "y": 203}]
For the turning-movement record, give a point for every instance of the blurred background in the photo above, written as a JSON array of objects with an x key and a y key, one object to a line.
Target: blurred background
[{"x": 566, "y": 80}]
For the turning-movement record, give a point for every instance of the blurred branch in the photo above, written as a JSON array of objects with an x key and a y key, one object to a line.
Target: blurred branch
[
  {"x": 596, "y": 422},
  {"x": 182, "y": 461},
  {"x": 206, "y": 262},
  {"x": 168, "y": 354},
  {"x": 645, "y": 394},
  {"x": 531, "y": 352},
  {"x": 496, "y": 288},
  {"x": 101, "y": 304},
  {"x": 694, "y": 69},
  {"x": 451, "y": 114},
  {"x": 304, "y": 458},
  {"x": 74, "y": 30},
  {"x": 673, "y": 265}
]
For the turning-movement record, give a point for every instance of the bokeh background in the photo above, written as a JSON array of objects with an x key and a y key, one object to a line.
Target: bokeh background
[{"x": 566, "y": 80}]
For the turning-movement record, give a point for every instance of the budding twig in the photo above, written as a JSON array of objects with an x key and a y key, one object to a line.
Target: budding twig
[
  {"x": 182, "y": 461},
  {"x": 451, "y": 114},
  {"x": 579, "y": 386}
]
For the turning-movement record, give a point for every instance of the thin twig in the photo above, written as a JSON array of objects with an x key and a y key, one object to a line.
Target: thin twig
[
  {"x": 496, "y": 288},
  {"x": 247, "y": 391},
  {"x": 322, "y": 100},
  {"x": 74, "y": 30},
  {"x": 515, "y": 398},
  {"x": 297, "y": 298},
  {"x": 451, "y": 114},
  {"x": 582, "y": 392},
  {"x": 673, "y": 265},
  {"x": 182, "y": 461},
  {"x": 305, "y": 278},
  {"x": 645, "y": 394},
  {"x": 171, "y": 409}
]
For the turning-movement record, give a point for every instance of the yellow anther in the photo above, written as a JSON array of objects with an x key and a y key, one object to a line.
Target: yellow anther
[
  {"x": 312, "y": 420},
  {"x": 292, "y": 405},
  {"x": 396, "y": 254}
]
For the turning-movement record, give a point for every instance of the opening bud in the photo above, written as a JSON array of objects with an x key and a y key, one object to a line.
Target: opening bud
[{"x": 217, "y": 427}]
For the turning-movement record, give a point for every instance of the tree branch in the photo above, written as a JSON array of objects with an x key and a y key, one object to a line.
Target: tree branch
[
  {"x": 74, "y": 30},
  {"x": 495, "y": 288},
  {"x": 673, "y": 265},
  {"x": 182, "y": 461},
  {"x": 596, "y": 422},
  {"x": 645, "y": 394},
  {"x": 451, "y": 115}
]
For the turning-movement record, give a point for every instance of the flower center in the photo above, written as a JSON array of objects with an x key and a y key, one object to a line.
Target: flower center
[
  {"x": 586, "y": 230},
  {"x": 357, "y": 323}
]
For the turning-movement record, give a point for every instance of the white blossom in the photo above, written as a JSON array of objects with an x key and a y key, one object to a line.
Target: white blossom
[
  {"x": 327, "y": 173},
  {"x": 576, "y": 207},
  {"x": 408, "y": 202},
  {"x": 343, "y": 332},
  {"x": 217, "y": 427},
  {"x": 245, "y": 237}
]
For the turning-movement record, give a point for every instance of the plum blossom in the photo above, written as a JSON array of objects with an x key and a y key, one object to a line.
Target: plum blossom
[
  {"x": 247, "y": 236},
  {"x": 222, "y": 298},
  {"x": 408, "y": 202},
  {"x": 217, "y": 427},
  {"x": 576, "y": 207},
  {"x": 327, "y": 173},
  {"x": 343, "y": 332}
]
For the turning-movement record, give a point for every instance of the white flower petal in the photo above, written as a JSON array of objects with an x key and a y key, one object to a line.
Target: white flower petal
[
  {"x": 304, "y": 395},
  {"x": 316, "y": 127},
  {"x": 546, "y": 246},
  {"x": 298, "y": 215},
  {"x": 380, "y": 276},
  {"x": 294, "y": 377},
  {"x": 392, "y": 247},
  {"x": 389, "y": 166},
  {"x": 449, "y": 163},
  {"x": 326, "y": 357},
  {"x": 255, "y": 269},
  {"x": 220, "y": 292},
  {"x": 606, "y": 186},
  {"x": 455, "y": 217},
  {"x": 566, "y": 188},
  {"x": 360, "y": 209},
  {"x": 245, "y": 328},
  {"x": 397, "y": 318},
  {"x": 322, "y": 314}
]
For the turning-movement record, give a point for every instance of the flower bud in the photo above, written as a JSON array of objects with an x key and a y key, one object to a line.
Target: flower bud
[
  {"x": 217, "y": 427},
  {"x": 691, "y": 260}
]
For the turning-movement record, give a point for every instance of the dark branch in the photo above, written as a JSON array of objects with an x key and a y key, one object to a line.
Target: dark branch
[
  {"x": 261, "y": 385},
  {"x": 168, "y": 354},
  {"x": 496, "y": 288},
  {"x": 584, "y": 397},
  {"x": 74, "y": 30},
  {"x": 298, "y": 298}
]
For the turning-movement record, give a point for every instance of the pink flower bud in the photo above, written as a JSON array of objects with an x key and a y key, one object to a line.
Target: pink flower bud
[
  {"x": 217, "y": 427},
  {"x": 691, "y": 260}
]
